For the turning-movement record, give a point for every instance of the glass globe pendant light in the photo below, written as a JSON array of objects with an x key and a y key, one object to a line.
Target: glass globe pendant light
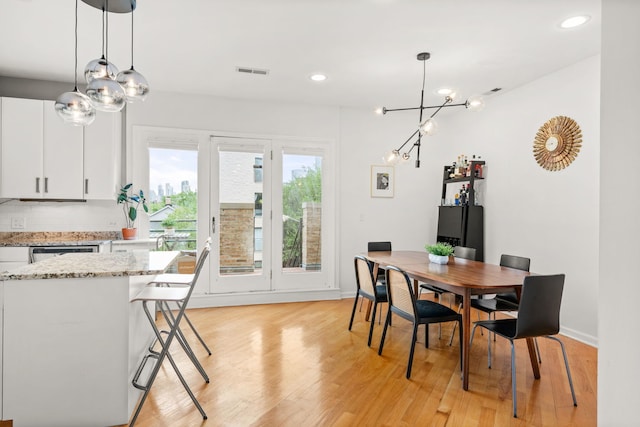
[
  {"x": 134, "y": 84},
  {"x": 74, "y": 107},
  {"x": 100, "y": 67},
  {"x": 105, "y": 93}
]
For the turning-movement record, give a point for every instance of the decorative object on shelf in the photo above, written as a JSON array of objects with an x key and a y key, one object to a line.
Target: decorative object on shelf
[
  {"x": 107, "y": 89},
  {"x": 429, "y": 125},
  {"x": 557, "y": 143},
  {"x": 382, "y": 181},
  {"x": 130, "y": 205},
  {"x": 439, "y": 253},
  {"x": 74, "y": 107}
]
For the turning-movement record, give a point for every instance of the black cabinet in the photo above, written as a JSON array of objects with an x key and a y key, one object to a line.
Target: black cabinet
[{"x": 462, "y": 225}]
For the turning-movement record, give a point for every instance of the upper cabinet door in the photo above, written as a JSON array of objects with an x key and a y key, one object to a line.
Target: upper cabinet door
[
  {"x": 22, "y": 133},
  {"x": 102, "y": 140},
  {"x": 62, "y": 148}
]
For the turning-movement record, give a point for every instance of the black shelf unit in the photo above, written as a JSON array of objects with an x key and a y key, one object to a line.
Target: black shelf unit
[{"x": 462, "y": 225}]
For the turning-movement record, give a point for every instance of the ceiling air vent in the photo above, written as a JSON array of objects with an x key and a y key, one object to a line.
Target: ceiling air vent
[
  {"x": 247, "y": 70},
  {"x": 492, "y": 91}
]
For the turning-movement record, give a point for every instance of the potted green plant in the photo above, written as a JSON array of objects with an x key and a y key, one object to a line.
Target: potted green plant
[
  {"x": 439, "y": 253},
  {"x": 130, "y": 204},
  {"x": 169, "y": 225}
]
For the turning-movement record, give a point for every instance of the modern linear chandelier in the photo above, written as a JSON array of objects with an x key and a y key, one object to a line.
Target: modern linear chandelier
[{"x": 429, "y": 125}]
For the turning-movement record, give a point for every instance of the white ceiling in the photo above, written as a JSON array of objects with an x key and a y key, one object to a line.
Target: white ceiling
[{"x": 367, "y": 48}]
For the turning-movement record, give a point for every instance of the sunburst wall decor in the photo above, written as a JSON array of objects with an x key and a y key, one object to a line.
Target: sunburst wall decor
[{"x": 557, "y": 143}]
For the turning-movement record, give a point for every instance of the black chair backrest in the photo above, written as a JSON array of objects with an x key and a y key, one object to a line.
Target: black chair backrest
[
  {"x": 517, "y": 262},
  {"x": 464, "y": 252},
  {"x": 379, "y": 246},
  {"x": 539, "y": 312},
  {"x": 364, "y": 275}
]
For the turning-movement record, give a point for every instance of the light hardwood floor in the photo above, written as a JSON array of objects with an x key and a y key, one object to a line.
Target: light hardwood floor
[{"x": 297, "y": 364}]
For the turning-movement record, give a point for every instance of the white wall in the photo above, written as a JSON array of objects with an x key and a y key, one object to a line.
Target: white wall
[{"x": 619, "y": 350}]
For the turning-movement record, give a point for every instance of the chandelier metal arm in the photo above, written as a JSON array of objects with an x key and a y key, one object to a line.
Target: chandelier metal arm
[{"x": 429, "y": 107}]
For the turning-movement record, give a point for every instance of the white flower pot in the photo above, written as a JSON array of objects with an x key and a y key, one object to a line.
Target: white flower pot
[{"x": 438, "y": 259}]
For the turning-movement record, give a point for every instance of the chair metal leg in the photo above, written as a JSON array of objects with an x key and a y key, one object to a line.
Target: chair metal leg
[
  {"x": 566, "y": 364},
  {"x": 182, "y": 340},
  {"x": 206, "y": 347},
  {"x": 384, "y": 332},
  {"x": 164, "y": 353},
  {"x": 353, "y": 312},
  {"x": 373, "y": 321},
  {"x": 513, "y": 380},
  {"x": 413, "y": 347},
  {"x": 193, "y": 328},
  {"x": 453, "y": 332}
]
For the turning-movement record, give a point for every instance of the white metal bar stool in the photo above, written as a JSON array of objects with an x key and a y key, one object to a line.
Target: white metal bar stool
[
  {"x": 173, "y": 279},
  {"x": 162, "y": 296}
]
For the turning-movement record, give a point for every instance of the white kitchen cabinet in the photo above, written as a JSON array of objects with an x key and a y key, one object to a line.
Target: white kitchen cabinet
[
  {"x": 21, "y": 133},
  {"x": 102, "y": 141},
  {"x": 62, "y": 161},
  {"x": 41, "y": 155}
]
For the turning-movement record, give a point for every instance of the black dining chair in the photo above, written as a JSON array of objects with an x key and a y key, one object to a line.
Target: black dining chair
[
  {"x": 403, "y": 303},
  {"x": 379, "y": 247},
  {"x": 367, "y": 288},
  {"x": 538, "y": 316},
  {"x": 507, "y": 301}
]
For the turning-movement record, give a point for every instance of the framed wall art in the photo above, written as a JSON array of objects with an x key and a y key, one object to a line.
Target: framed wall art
[{"x": 382, "y": 181}]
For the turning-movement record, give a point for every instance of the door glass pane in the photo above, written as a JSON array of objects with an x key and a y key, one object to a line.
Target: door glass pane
[
  {"x": 241, "y": 190},
  {"x": 173, "y": 197},
  {"x": 302, "y": 212}
]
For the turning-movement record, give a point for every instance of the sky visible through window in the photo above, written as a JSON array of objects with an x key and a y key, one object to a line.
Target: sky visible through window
[{"x": 170, "y": 166}]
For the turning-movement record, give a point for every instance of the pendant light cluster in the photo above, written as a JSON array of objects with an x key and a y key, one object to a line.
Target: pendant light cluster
[{"x": 107, "y": 89}]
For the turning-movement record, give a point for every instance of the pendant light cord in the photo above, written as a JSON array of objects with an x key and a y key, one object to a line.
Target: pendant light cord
[
  {"x": 75, "y": 54},
  {"x": 106, "y": 37},
  {"x": 132, "y": 36}
]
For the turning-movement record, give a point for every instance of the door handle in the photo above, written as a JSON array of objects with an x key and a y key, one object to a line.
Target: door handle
[{"x": 213, "y": 225}]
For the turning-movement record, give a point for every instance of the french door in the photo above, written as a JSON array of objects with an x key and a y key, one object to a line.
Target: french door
[{"x": 267, "y": 213}]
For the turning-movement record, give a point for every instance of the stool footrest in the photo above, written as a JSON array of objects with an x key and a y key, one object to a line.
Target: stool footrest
[
  {"x": 136, "y": 377},
  {"x": 154, "y": 342}
]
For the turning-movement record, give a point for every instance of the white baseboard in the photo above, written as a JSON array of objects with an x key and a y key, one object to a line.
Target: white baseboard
[{"x": 270, "y": 297}]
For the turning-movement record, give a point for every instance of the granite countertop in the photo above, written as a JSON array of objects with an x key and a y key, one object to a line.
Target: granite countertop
[
  {"x": 57, "y": 238},
  {"x": 79, "y": 265}
]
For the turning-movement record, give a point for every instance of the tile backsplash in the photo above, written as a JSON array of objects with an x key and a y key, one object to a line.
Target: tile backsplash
[{"x": 60, "y": 216}]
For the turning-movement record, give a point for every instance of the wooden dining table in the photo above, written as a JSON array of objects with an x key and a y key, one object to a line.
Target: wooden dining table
[{"x": 461, "y": 277}]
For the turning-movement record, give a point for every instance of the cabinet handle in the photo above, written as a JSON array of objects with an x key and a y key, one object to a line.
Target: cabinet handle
[
  {"x": 213, "y": 225},
  {"x": 46, "y": 184},
  {"x": 37, "y": 184},
  {"x": 86, "y": 186}
]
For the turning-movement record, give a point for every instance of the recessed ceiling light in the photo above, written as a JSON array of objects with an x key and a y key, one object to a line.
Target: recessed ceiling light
[
  {"x": 445, "y": 91},
  {"x": 318, "y": 77},
  {"x": 574, "y": 21}
]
